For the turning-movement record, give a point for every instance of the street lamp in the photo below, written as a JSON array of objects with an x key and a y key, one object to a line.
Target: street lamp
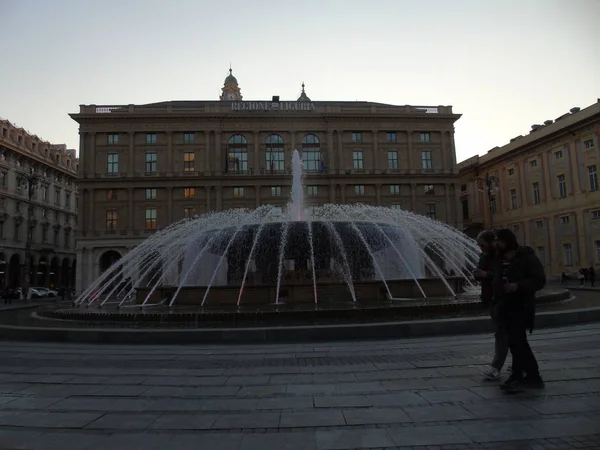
[
  {"x": 28, "y": 182},
  {"x": 489, "y": 184}
]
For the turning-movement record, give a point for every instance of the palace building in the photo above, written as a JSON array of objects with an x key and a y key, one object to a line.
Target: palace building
[
  {"x": 145, "y": 166},
  {"x": 53, "y": 210},
  {"x": 545, "y": 188}
]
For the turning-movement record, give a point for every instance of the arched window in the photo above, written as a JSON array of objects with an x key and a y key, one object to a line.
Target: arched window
[
  {"x": 237, "y": 154},
  {"x": 275, "y": 159},
  {"x": 311, "y": 153}
]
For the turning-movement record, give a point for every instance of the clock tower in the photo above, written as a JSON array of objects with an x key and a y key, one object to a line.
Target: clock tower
[{"x": 231, "y": 90}]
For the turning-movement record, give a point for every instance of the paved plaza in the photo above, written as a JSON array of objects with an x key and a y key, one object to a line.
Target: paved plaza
[{"x": 411, "y": 393}]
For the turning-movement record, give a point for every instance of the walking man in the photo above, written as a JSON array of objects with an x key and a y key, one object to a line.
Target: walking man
[
  {"x": 518, "y": 275},
  {"x": 485, "y": 274}
]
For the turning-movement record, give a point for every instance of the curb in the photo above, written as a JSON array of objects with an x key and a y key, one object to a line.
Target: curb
[{"x": 390, "y": 330}]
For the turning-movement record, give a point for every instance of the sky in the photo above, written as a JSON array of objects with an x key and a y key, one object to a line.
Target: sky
[{"x": 504, "y": 65}]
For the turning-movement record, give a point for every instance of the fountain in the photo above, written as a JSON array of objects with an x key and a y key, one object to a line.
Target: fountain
[{"x": 268, "y": 257}]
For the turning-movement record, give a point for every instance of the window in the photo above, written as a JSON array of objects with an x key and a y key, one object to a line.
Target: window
[
  {"x": 395, "y": 189},
  {"x": 357, "y": 160},
  {"x": 150, "y": 222},
  {"x": 150, "y": 138},
  {"x": 112, "y": 163},
  {"x": 536, "y": 193},
  {"x": 393, "y": 160},
  {"x": 67, "y": 238},
  {"x": 151, "y": 194},
  {"x": 2, "y": 179},
  {"x": 189, "y": 162},
  {"x": 189, "y": 193},
  {"x": 589, "y": 143},
  {"x": 564, "y": 219},
  {"x": 111, "y": 194},
  {"x": 275, "y": 157},
  {"x": 463, "y": 188},
  {"x": 542, "y": 255},
  {"x": 17, "y": 231},
  {"x": 431, "y": 211},
  {"x": 150, "y": 162},
  {"x": 312, "y": 191},
  {"x": 67, "y": 200},
  {"x": 390, "y": 136},
  {"x": 188, "y": 213},
  {"x": 598, "y": 250},
  {"x": 276, "y": 191},
  {"x": 539, "y": 224},
  {"x": 45, "y": 193},
  {"x": 359, "y": 189},
  {"x": 558, "y": 154},
  {"x": 311, "y": 153},
  {"x": 513, "y": 199},
  {"x": 113, "y": 139},
  {"x": 562, "y": 186},
  {"x": 533, "y": 163},
  {"x": 44, "y": 213},
  {"x": 568, "y": 254},
  {"x": 465, "y": 209},
  {"x": 44, "y": 235},
  {"x": 511, "y": 172},
  {"x": 57, "y": 196},
  {"x": 424, "y": 137},
  {"x": 593, "y": 175},
  {"x": 396, "y": 206},
  {"x": 237, "y": 154},
  {"x": 111, "y": 219},
  {"x": 595, "y": 214},
  {"x": 56, "y": 236},
  {"x": 429, "y": 189},
  {"x": 493, "y": 204},
  {"x": 238, "y": 192},
  {"x": 426, "y": 160},
  {"x": 357, "y": 136},
  {"x": 189, "y": 138}
]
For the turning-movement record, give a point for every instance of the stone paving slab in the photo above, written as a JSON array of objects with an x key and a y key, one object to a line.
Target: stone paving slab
[{"x": 408, "y": 393}]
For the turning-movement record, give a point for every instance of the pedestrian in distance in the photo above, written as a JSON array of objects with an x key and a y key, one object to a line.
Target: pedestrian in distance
[
  {"x": 484, "y": 273},
  {"x": 518, "y": 275}
]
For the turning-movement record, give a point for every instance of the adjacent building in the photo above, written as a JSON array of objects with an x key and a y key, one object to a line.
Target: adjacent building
[
  {"x": 546, "y": 189},
  {"x": 145, "y": 166},
  {"x": 53, "y": 214}
]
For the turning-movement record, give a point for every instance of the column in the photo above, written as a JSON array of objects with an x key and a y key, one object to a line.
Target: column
[
  {"x": 375, "y": 152},
  {"x": 169, "y": 205},
  {"x": 257, "y": 190},
  {"x": 293, "y": 140},
  {"x": 554, "y": 256},
  {"x": 131, "y": 168},
  {"x": 169, "y": 168},
  {"x": 90, "y": 267},
  {"x": 582, "y": 240},
  {"x": 130, "y": 212},
  {"x": 413, "y": 196},
  {"x": 527, "y": 233},
  {"x": 80, "y": 284},
  {"x": 332, "y": 188},
  {"x": 330, "y": 153},
  {"x": 340, "y": 153},
  {"x": 219, "y": 198},
  {"x": 256, "y": 150},
  {"x": 522, "y": 185},
  {"x": 217, "y": 152},
  {"x": 453, "y": 149},
  {"x": 343, "y": 193},
  {"x": 207, "y": 154},
  {"x": 457, "y": 207},
  {"x": 445, "y": 164},
  {"x": 448, "y": 205},
  {"x": 91, "y": 225},
  {"x": 207, "y": 188},
  {"x": 91, "y": 161},
  {"x": 409, "y": 156},
  {"x": 378, "y": 194},
  {"x": 82, "y": 155}
]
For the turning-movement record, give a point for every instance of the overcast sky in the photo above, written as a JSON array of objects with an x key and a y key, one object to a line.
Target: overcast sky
[{"x": 504, "y": 65}]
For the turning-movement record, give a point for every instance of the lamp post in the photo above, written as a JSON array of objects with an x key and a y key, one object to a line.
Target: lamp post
[
  {"x": 489, "y": 184},
  {"x": 28, "y": 183}
]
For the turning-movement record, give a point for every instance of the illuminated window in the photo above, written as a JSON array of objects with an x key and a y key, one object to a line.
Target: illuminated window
[
  {"x": 189, "y": 162},
  {"x": 111, "y": 219},
  {"x": 238, "y": 192},
  {"x": 150, "y": 219},
  {"x": 189, "y": 193}
]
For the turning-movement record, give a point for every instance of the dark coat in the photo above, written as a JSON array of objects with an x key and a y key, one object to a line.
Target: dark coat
[
  {"x": 526, "y": 270},
  {"x": 487, "y": 262}
]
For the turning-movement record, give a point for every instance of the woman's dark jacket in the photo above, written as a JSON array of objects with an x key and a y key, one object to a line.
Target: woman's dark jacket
[
  {"x": 486, "y": 263},
  {"x": 526, "y": 270}
]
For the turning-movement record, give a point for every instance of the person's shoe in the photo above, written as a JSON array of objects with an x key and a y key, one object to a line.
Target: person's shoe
[
  {"x": 534, "y": 382},
  {"x": 491, "y": 374},
  {"x": 512, "y": 386}
]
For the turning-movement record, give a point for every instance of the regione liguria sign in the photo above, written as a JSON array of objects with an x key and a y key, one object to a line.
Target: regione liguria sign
[{"x": 272, "y": 106}]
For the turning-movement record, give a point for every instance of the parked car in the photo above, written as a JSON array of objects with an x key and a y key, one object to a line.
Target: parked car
[{"x": 39, "y": 292}]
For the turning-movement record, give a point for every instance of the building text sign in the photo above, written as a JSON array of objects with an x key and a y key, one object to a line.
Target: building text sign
[{"x": 272, "y": 106}]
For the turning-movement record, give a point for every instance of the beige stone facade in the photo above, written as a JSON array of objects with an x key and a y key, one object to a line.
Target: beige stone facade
[
  {"x": 54, "y": 213},
  {"x": 548, "y": 190},
  {"x": 146, "y": 166}
]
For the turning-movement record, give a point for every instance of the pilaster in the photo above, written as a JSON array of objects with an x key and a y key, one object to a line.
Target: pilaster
[
  {"x": 169, "y": 168},
  {"x": 378, "y": 193},
  {"x": 410, "y": 156},
  {"x": 256, "y": 153},
  {"x": 375, "y": 133},
  {"x": 130, "y": 210},
  {"x": 207, "y": 153},
  {"x": 330, "y": 153},
  {"x": 131, "y": 168},
  {"x": 169, "y": 205}
]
